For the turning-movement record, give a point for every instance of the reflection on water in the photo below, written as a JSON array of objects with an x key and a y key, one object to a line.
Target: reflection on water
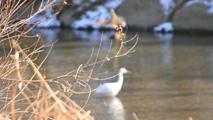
[
  {"x": 172, "y": 75},
  {"x": 116, "y": 108},
  {"x": 109, "y": 109},
  {"x": 166, "y": 49},
  {"x": 94, "y": 35},
  {"x": 167, "y": 36}
]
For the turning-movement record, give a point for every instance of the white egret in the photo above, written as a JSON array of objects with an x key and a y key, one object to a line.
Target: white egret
[{"x": 112, "y": 89}]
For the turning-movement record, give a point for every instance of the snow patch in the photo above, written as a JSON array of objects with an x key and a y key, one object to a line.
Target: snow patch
[
  {"x": 167, "y": 4},
  {"x": 210, "y": 10},
  {"x": 86, "y": 4},
  {"x": 204, "y": 2},
  {"x": 167, "y": 27},
  {"x": 100, "y": 13},
  {"x": 92, "y": 17},
  {"x": 113, "y": 3}
]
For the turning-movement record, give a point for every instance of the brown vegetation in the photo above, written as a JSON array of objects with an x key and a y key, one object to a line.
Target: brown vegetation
[{"x": 41, "y": 101}]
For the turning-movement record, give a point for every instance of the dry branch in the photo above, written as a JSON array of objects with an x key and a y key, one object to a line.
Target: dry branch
[{"x": 169, "y": 18}]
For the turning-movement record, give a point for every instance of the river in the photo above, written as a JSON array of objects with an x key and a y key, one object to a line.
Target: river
[{"x": 171, "y": 74}]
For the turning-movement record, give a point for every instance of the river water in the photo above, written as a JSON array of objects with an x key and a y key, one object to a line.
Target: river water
[{"x": 171, "y": 79}]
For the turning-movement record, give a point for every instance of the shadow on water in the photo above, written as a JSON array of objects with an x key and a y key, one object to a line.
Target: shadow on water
[{"x": 172, "y": 74}]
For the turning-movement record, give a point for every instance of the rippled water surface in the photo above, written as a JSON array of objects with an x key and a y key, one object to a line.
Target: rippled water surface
[{"x": 171, "y": 79}]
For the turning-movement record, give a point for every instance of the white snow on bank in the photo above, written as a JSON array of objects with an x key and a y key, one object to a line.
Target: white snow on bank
[
  {"x": 100, "y": 13},
  {"x": 208, "y": 3},
  {"x": 113, "y": 3},
  {"x": 205, "y": 2},
  {"x": 47, "y": 19},
  {"x": 92, "y": 17},
  {"x": 167, "y": 27},
  {"x": 167, "y": 5},
  {"x": 210, "y": 10}
]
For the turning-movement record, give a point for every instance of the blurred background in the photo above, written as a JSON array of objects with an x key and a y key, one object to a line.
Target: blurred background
[{"x": 183, "y": 15}]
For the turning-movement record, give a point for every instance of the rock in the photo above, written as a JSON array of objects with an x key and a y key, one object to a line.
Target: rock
[
  {"x": 193, "y": 17},
  {"x": 141, "y": 13}
]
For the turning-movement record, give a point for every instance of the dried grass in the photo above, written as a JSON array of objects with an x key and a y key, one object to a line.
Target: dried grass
[{"x": 40, "y": 100}]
